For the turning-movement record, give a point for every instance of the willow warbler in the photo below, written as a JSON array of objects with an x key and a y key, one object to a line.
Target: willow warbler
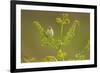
[{"x": 50, "y": 31}]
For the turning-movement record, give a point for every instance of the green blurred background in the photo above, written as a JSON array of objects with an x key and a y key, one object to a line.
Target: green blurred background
[{"x": 30, "y": 39}]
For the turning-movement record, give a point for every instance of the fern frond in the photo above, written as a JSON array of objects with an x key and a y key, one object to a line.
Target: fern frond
[{"x": 71, "y": 32}]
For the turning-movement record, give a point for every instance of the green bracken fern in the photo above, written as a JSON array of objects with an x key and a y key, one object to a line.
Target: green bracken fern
[{"x": 63, "y": 40}]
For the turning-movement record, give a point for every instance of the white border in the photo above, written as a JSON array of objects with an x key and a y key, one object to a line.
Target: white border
[{"x": 20, "y": 65}]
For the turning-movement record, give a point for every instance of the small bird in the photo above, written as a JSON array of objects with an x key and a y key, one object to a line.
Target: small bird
[{"x": 50, "y": 31}]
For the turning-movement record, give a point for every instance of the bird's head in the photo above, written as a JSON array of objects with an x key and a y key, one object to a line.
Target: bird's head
[{"x": 49, "y": 27}]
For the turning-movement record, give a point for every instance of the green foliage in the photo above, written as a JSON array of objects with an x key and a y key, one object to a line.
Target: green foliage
[
  {"x": 29, "y": 59},
  {"x": 82, "y": 55},
  {"x": 39, "y": 27},
  {"x": 63, "y": 19},
  {"x": 50, "y": 58},
  {"x": 45, "y": 39},
  {"x": 63, "y": 40},
  {"x": 71, "y": 32},
  {"x": 61, "y": 55},
  {"x": 87, "y": 45},
  {"x": 79, "y": 56}
]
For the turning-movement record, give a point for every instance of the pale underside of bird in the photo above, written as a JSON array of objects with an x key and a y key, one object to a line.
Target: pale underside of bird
[{"x": 50, "y": 31}]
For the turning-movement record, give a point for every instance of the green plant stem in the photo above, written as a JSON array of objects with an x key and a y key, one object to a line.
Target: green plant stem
[
  {"x": 61, "y": 31},
  {"x": 62, "y": 51},
  {"x": 61, "y": 34},
  {"x": 56, "y": 59}
]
